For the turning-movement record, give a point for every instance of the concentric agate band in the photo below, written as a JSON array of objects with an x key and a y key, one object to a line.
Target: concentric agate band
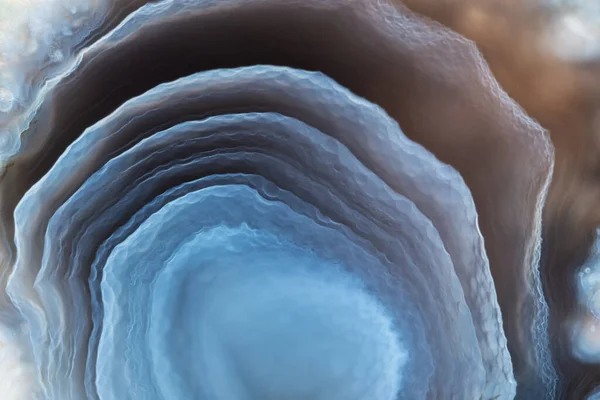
[{"x": 275, "y": 200}]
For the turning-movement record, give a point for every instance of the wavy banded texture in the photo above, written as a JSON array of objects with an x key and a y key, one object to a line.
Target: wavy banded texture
[{"x": 215, "y": 200}]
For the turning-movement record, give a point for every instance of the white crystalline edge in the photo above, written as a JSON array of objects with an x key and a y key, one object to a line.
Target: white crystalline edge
[
  {"x": 34, "y": 35},
  {"x": 17, "y": 375},
  {"x": 37, "y": 38},
  {"x": 574, "y": 34},
  {"x": 12, "y": 85},
  {"x": 585, "y": 326},
  {"x": 589, "y": 278}
]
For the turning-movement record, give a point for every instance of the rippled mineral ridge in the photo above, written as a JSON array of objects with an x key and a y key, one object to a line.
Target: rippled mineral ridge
[{"x": 266, "y": 200}]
